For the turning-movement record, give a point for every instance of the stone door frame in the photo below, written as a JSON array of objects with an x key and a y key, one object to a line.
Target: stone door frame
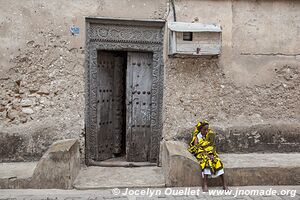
[{"x": 123, "y": 35}]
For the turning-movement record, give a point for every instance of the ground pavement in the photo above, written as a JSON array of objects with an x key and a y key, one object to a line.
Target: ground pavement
[{"x": 248, "y": 193}]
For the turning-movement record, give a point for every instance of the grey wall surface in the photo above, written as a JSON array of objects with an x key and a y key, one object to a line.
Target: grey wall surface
[{"x": 254, "y": 81}]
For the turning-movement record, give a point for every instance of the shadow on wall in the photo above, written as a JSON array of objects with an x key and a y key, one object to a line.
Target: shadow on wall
[{"x": 17, "y": 146}]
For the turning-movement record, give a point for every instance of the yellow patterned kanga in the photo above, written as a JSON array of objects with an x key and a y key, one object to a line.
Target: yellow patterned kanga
[{"x": 205, "y": 146}]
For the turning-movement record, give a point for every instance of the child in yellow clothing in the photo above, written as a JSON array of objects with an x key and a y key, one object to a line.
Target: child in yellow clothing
[{"x": 203, "y": 147}]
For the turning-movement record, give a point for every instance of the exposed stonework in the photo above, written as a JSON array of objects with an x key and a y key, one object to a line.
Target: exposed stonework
[
  {"x": 254, "y": 81},
  {"x": 42, "y": 70},
  {"x": 200, "y": 89},
  {"x": 41, "y": 98},
  {"x": 43, "y": 82}
]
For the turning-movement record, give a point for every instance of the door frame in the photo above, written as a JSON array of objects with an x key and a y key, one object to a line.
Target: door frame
[{"x": 123, "y": 35}]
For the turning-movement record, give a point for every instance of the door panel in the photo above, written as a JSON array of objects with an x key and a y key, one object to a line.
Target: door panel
[
  {"x": 110, "y": 100},
  {"x": 138, "y": 91}
]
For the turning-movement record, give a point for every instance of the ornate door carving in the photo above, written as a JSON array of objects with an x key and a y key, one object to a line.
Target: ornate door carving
[
  {"x": 139, "y": 84},
  {"x": 118, "y": 35}
]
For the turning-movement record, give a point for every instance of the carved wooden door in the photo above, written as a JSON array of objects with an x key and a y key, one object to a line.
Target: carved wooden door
[
  {"x": 110, "y": 104},
  {"x": 138, "y": 101}
]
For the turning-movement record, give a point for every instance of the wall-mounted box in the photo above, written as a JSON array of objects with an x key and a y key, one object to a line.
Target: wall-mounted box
[{"x": 194, "y": 39}]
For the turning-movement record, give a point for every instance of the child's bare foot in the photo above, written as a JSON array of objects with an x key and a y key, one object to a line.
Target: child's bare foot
[
  {"x": 204, "y": 188},
  {"x": 225, "y": 187}
]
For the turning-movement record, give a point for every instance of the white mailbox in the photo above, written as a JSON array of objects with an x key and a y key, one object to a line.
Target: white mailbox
[{"x": 194, "y": 39}]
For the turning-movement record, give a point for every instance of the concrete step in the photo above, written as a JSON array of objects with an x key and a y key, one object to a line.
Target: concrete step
[
  {"x": 57, "y": 168},
  {"x": 16, "y": 174},
  {"x": 262, "y": 168},
  {"x": 120, "y": 162},
  {"x": 182, "y": 169},
  {"x": 96, "y": 177}
]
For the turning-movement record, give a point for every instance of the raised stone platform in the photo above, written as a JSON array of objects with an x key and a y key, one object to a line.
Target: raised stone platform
[
  {"x": 16, "y": 175},
  {"x": 181, "y": 168},
  {"x": 57, "y": 168},
  {"x": 119, "y": 177}
]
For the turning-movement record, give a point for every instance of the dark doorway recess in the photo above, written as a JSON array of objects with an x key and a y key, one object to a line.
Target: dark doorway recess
[
  {"x": 124, "y": 105},
  {"x": 124, "y": 90},
  {"x": 111, "y": 109}
]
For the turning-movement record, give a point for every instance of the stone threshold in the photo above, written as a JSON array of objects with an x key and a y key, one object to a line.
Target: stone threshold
[
  {"x": 120, "y": 162},
  {"x": 95, "y": 177}
]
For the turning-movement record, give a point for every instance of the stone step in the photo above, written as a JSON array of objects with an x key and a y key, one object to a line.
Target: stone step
[
  {"x": 120, "y": 162},
  {"x": 262, "y": 169},
  {"x": 182, "y": 169},
  {"x": 16, "y": 174},
  {"x": 57, "y": 168},
  {"x": 96, "y": 177}
]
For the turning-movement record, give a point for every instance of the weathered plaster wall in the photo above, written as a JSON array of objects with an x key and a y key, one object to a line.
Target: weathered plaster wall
[
  {"x": 42, "y": 72},
  {"x": 256, "y": 78}
]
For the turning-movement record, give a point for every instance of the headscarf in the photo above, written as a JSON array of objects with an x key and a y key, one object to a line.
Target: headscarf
[
  {"x": 199, "y": 126},
  {"x": 205, "y": 147}
]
